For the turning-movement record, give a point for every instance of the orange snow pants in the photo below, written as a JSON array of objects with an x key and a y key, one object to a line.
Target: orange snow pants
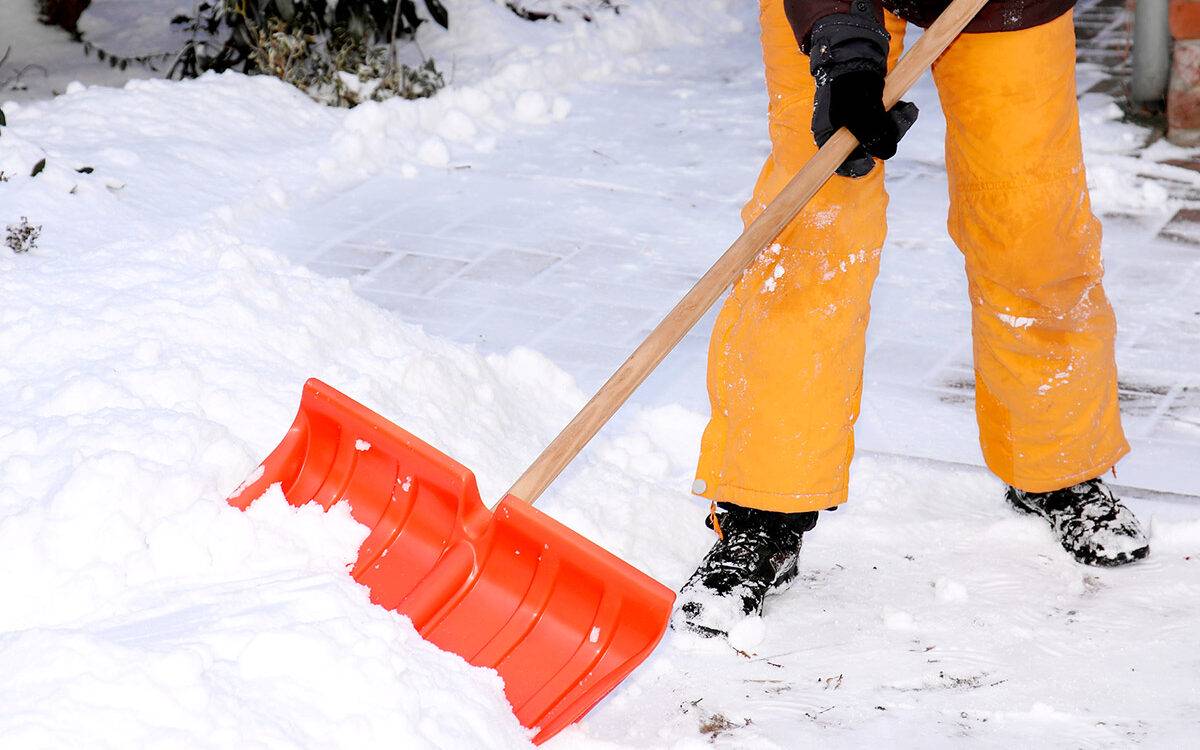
[{"x": 786, "y": 355}]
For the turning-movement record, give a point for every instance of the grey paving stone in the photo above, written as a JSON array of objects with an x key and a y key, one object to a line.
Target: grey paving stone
[
  {"x": 502, "y": 330},
  {"x": 414, "y": 274},
  {"x": 508, "y": 267},
  {"x": 606, "y": 324},
  {"x": 452, "y": 314},
  {"x": 530, "y": 234},
  {"x": 573, "y": 352},
  {"x": 564, "y": 284},
  {"x": 396, "y": 241},
  {"x": 630, "y": 265},
  {"x": 609, "y": 263},
  {"x": 1143, "y": 398},
  {"x": 507, "y": 297},
  {"x": 1150, "y": 281},
  {"x": 691, "y": 348},
  {"x": 335, "y": 270},
  {"x": 355, "y": 256},
  {"x": 903, "y": 362},
  {"x": 675, "y": 282},
  {"x": 1181, "y": 419},
  {"x": 1184, "y": 226},
  {"x": 957, "y": 380}
]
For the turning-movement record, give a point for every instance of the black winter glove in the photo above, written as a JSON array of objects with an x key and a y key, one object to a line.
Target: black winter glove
[{"x": 848, "y": 59}]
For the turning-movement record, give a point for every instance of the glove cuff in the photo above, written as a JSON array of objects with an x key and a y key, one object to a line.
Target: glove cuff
[{"x": 847, "y": 42}]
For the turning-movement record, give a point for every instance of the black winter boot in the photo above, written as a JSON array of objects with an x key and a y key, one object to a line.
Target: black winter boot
[
  {"x": 1092, "y": 524},
  {"x": 755, "y": 555}
]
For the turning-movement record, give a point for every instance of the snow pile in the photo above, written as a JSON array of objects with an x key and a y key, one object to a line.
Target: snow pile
[
  {"x": 152, "y": 356},
  {"x": 507, "y": 70},
  {"x": 132, "y": 627},
  {"x": 151, "y": 359},
  {"x": 144, "y": 379}
]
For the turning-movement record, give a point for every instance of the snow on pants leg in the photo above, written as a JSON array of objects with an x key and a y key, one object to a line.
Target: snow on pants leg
[
  {"x": 1045, "y": 376},
  {"x": 786, "y": 355}
]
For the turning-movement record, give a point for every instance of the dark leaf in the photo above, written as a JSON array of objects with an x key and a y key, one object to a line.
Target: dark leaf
[
  {"x": 37, "y": 168},
  {"x": 86, "y": 170},
  {"x": 3, "y": 121},
  {"x": 438, "y": 13},
  {"x": 531, "y": 15},
  {"x": 408, "y": 12}
]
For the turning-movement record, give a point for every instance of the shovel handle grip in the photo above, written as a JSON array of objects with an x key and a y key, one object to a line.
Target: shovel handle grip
[{"x": 761, "y": 232}]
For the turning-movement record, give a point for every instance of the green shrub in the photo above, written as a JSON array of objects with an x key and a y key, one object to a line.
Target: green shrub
[{"x": 340, "y": 53}]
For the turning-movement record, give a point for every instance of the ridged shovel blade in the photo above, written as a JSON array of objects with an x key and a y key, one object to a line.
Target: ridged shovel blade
[{"x": 562, "y": 620}]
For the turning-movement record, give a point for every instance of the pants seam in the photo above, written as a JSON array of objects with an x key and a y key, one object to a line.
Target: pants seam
[{"x": 965, "y": 185}]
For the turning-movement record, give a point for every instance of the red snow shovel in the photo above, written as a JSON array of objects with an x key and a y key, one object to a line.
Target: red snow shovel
[{"x": 562, "y": 620}]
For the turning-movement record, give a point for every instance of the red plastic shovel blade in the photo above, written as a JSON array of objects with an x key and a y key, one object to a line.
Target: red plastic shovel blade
[{"x": 562, "y": 620}]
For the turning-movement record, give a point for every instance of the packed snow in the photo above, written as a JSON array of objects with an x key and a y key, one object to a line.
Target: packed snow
[{"x": 154, "y": 344}]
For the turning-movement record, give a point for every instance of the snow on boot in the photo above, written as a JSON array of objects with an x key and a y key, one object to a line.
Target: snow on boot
[
  {"x": 1092, "y": 524},
  {"x": 754, "y": 555}
]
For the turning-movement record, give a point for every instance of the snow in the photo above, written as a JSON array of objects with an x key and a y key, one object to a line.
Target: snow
[
  {"x": 1016, "y": 321},
  {"x": 746, "y": 635},
  {"x": 54, "y": 64},
  {"x": 155, "y": 342},
  {"x": 149, "y": 367}
]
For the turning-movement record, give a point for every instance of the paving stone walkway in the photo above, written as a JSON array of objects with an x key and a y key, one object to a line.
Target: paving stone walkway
[{"x": 568, "y": 240}]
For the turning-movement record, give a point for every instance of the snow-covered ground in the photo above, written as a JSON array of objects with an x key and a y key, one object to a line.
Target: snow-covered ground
[
  {"x": 573, "y": 180},
  {"x": 43, "y": 60}
]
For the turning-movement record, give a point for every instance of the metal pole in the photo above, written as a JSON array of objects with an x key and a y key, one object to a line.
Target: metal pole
[{"x": 1151, "y": 52}]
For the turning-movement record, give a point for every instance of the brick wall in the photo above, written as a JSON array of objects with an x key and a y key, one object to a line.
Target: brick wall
[{"x": 1183, "y": 94}]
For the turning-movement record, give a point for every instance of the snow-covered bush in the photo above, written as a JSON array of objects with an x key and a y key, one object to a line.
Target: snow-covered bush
[
  {"x": 22, "y": 236},
  {"x": 343, "y": 69},
  {"x": 340, "y": 53}
]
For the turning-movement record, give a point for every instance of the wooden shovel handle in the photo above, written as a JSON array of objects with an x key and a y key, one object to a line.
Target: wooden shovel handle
[{"x": 761, "y": 232}]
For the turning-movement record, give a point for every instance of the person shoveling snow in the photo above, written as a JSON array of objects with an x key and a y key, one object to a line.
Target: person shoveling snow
[{"x": 786, "y": 354}]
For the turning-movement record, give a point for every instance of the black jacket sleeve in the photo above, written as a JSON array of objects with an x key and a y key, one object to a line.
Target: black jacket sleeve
[{"x": 802, "y": 14}]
